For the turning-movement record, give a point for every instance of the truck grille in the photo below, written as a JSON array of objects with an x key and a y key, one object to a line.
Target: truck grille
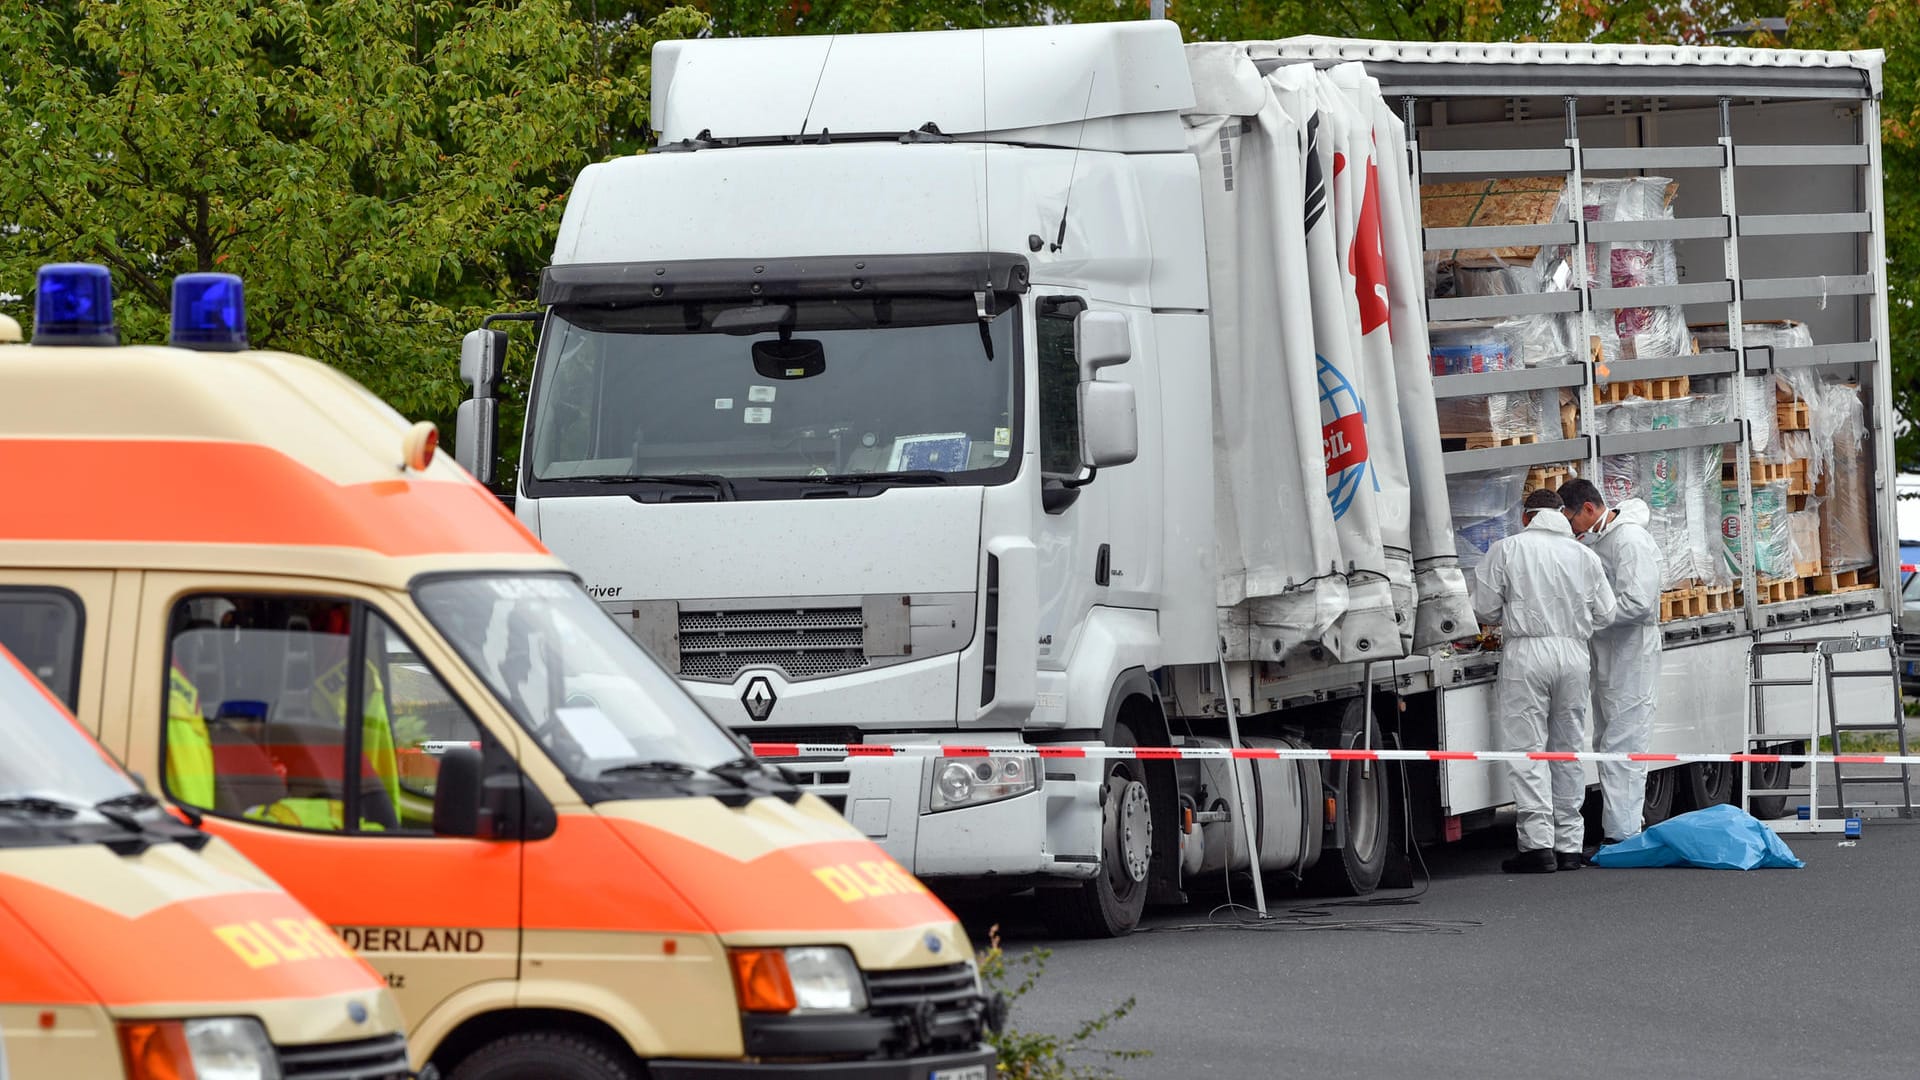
[
  {"x": 800, "y": 643},
  {"x": 364, "y": 1059}
]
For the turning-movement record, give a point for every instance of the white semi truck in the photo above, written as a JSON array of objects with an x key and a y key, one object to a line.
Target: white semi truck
[{"x": 1071, "y": 385}]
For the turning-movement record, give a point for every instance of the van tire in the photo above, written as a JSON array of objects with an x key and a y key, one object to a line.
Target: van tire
[
  {"x": 546, "y": 1055},
  {"x": 1105, "y": 907}
]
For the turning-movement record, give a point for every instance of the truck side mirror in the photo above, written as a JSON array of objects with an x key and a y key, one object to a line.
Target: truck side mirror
[
  {"x": 477, "y": 420},
  {"x": 1109, "y": 428},
  {"x": 456, "y": 793},
  {"x": 1100, "y": 339}
]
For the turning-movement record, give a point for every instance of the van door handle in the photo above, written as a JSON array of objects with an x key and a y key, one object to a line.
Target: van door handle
[{"x": 1103, "y": 565}]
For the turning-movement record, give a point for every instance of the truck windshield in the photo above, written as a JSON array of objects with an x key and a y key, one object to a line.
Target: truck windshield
[
  {"x": 727, "y": 394},
  {"x": 46, "y": 756},
  {"x": 589, "y": 693}
]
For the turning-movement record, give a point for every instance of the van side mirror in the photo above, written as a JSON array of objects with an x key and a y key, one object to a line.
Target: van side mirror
[
  {"x": 476, "y": 422},
  {"x": 1109, "y": 425},
  {"x": 456, "y": 793}
]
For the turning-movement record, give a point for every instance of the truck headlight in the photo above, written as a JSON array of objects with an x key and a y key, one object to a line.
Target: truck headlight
[
  {"x": 972, "y": 781},
  {"x": 216, "y": 1048},
  {"x": 807, "y": 979}
]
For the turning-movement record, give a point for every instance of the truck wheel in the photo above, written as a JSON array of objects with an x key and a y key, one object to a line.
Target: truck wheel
[
  {"x": 546, "y": 1055},
  {"x": 1354, "y": 868},
  {"x": 1773, "y": 774},
  {"x": 1706, "y": 783},
  {"x": 1110, "y": 904},
  {"x": 1659, "y": 804}
]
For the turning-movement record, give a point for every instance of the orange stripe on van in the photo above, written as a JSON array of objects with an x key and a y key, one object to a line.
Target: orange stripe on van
[
  {"x": 226, "y": 947},
  {"x": 181, "y": 491},
  {"x": 30, "y": 972}
]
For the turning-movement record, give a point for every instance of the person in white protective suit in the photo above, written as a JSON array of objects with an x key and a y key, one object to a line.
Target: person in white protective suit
[
  {"x": 1548, "y": 594},
  {"x": 1626, "y": 655}
]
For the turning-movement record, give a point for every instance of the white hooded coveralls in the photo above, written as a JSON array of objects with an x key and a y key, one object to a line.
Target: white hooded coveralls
[
  {"x": 1626, "y": 664},
  {"x": 1549, "y": 594}
]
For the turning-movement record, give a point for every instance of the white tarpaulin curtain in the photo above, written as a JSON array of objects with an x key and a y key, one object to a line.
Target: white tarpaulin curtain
[{"x": 1323, "y": 406}]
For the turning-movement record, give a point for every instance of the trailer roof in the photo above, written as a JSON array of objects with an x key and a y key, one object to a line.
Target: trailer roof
[{"x": 1443, "y": 69}]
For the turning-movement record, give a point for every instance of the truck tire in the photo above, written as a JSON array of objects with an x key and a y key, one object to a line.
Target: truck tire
[
  {"x": 546, "y": 1055},
  {"x": 1354, "y": 868},
  {"x": 1774, "y": 774},
  {"x": 1111, "y": 903},
  {"x": 1706, "y": 783},
  {"x": 1660, "y": 790}
]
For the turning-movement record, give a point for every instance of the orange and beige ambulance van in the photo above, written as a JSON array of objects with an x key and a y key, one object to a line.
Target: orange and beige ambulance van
[
  {"x": 134, "y": 945},
  {"x": 262, "y": 587}
]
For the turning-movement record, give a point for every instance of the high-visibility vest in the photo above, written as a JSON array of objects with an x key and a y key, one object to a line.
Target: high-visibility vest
[
  {"x": 376, "y": 730},
  {"x": 189, "y": 748},
  {"x": 308, "y": 813}
]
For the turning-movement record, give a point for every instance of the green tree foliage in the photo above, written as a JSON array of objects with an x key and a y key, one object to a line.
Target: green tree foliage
[{"x": 380, "y": 172}]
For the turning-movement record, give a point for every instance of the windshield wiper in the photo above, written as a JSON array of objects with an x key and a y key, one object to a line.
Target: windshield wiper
[
  {"x": 132, "y": 800},
  {"x": 905, "y": 476},
  {"x": 40, "y": 804},
  {"x": 649, "y": 768},
  {"x": 752, "y": 774},
  {"x": 711, "y": 481}
]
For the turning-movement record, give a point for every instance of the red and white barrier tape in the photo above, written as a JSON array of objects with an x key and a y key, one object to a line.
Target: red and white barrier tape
[{"x": 1222, "y": 753}]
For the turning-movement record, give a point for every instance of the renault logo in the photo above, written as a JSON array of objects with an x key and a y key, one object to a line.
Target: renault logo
[{"x": 759, "y": 698}]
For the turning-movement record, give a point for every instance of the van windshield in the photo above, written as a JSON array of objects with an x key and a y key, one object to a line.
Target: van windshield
[
  {"x": 586, "y": 691},
  {"x": 46, "y": 756}
]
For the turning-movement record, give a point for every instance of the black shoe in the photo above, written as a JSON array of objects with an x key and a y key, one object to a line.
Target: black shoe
[
  {"x": 1591, "y": 846},
  {"x": 1535, "y": 861},
  {"x": 1568, "y": 860}
]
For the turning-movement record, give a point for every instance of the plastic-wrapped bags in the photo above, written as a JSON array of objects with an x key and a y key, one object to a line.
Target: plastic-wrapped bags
[
  {"x": 1701, "y": 492},
  {"x": 1768, "y": 524},
  {"x": 1631, "y": 333},
  {"x": 1718, "y": 838},
  {"x": 1486, "y": 508}
]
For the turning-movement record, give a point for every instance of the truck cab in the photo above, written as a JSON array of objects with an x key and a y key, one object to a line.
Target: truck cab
[
  {"x": 321, "y": 637},
  {"x": 133, "y": 945}
]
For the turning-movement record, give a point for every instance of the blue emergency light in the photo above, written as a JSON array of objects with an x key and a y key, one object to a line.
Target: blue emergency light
[
  {"x": 209, "y": 313},
  {"x": 73, "y": 305}
]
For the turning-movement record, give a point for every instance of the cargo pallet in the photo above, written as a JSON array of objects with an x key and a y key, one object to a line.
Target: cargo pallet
[
  {"x": 1546, "y": 476},
  {"x": 1763, "y": 471},
  {"x": 1840, "y": 581},
  {"x": 1484, "y": 440},
  {"x": 1668, "y": 389},
  {"x": 1778, "y": 590},
  {"x": 1797, "y": 477},
  {"x": 1695, "y": 600},
  {"x": 1790, "y": 415}
]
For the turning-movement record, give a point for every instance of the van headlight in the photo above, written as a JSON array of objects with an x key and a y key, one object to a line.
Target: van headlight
[
  {"x": 805, "y": 979},
  {"x": 214, "y": 1048},
  {"x": 971, "y": 781}
]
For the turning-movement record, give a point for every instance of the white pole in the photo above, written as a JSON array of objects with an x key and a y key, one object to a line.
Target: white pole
[
  {"x": 1239, "y": 790},
  {"x": 1157, "y": 9}
]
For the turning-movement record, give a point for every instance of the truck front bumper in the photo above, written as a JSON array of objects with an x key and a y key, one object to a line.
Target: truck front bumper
[{"x": 975, "y": 1064}]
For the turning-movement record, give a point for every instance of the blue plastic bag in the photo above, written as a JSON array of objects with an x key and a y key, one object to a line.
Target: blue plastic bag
[{"x": 1717, "y": 838}]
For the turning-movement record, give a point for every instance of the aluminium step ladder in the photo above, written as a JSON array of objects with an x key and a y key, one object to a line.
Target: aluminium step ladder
[{"x": 1822, "y": 678}]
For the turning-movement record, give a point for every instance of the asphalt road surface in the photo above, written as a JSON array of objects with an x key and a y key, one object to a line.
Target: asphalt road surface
[{"x": 1602, "y": 973}]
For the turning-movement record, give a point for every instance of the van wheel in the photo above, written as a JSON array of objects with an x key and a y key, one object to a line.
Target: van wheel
[
  {"x": 546, "y": 1055},
  {"x": 1110, "y": 905}
]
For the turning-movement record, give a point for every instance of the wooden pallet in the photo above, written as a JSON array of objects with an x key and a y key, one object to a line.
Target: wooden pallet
[
  {"x": 1807, "y": 570},
  {"x": 1546, "y": 476},
  {"x": 1483, "y": 440},
  {"x": 1669, "y": 389},
  {"x": 1790, "y": 415},
  {"x": 1780, "y": 590},
  {"x": 1719, "y": 598},
  {"x": 1797, "y": 477},
  {"x": 1684, "y": 603},
  {"x": 1840, "y": 581},
  {"x": 1760, "y": 470}
]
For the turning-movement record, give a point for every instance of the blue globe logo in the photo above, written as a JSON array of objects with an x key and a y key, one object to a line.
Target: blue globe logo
[{"x": 1343, "y": 431}]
